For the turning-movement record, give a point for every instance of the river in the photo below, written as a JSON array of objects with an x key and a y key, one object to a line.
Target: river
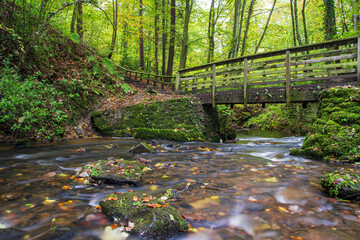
[{"x": 251, "y": 189}]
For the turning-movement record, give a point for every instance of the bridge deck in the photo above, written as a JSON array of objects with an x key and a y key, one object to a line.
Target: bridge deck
[{"x": 291, "y": 75}]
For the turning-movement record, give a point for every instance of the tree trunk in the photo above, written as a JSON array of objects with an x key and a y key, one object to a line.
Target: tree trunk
[
  {"x": 114, "y": 35},
  {"x": 251, "y": 8},
  {"x": 141, "y": 38},
  {"x": 211, "y": 32},
  {"x": 329, "y": 19},
  {"x": 236, "y": 29},
  {"x": 79, "y": 24},
  {"x": 172, "y": 40},
  {"x": 184, "y": 42},
  {"x": 73, "y": 19},
  {"x": 356, "y": 16},
  {"x": 266, "y": 26},
  {"x": 297, "y": 23},
  {"x": 241, "y": 23},
  {"x": 304, "y": 22},
  {"x": 156, "y": 47},
  {"x": 293, "y": 22},
  {"x": 164, "y": 38}
]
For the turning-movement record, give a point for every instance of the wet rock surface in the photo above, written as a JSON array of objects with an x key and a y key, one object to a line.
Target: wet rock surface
[
  {"x": 150, "y": 217},
  {"x": 141, "y": 148},
  {"x": 114, "y": 171},
  {"x": 343, "y": 184}
]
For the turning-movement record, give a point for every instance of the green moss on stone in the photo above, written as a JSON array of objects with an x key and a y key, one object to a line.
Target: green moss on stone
[
  {"x": 342, "y": 184},
  {"x": 161, "y": 222}
]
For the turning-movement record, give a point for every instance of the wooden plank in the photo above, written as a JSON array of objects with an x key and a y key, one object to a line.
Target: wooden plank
[
  {"x": 348, "y": 78},
  {"x": 177, "y": 82},
  {"x": 213, "y": 90},
  {"x": 245, "y": 80},
  {"x": 262, "y": 67},
  {"x": 195, "y": 77},
  {"x": 267, "y": 78},
  {"x": 282, "y": 71},
  {"x": 325, "y": 72},
  {"x": 266, "y": 83},
  {"x": 324, "y": 66},
  {"x": 287, "y": 78},
  {"x": 326, "y": 53},
  {"x": 326, "y": 59},
  {"x": 358, "y": 60}
]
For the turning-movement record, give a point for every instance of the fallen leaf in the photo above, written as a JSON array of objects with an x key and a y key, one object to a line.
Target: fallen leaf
[
  {"x": 113, "y": 226},
  {"x": 66, "y": 187}
]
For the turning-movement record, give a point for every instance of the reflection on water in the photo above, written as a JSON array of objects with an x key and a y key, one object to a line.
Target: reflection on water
[{"x": 249, "y": 190}]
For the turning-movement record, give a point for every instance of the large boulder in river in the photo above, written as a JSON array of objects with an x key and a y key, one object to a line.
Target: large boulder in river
[
  {"x": 113, "y": 171},
  {"x": 141, "y": 148},
  {"x": 148, "y": 216},
  {"x": 343, "y": 184}
]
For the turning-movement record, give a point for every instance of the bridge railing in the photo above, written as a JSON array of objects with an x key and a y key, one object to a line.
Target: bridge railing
[
  {"x": 149, "y": 77},
  {"x": 311, "y": 66}
]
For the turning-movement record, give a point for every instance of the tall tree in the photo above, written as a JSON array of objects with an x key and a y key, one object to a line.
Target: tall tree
[
  {"x": 79, "y": 24},
  {"x": 304, "y": 22},
  {"x": 293, "y": 22},
  {"x": 184, "y": 42},
  {"x": 164, "y": 38},
  {"x": 73, "y": 19},
  {"x": 297, "y": 23},
  {"x": 141, "y": 37},
  {"x": 250, "y": 12},
  {"x": 171, "y": 55},
  {"x": 156, "y": 47},
  {"x": 114, "y": 23},
  {"x": 329, "y": 19},
  {"x": 265, "y": 28},
  {"x": 356, "y": 15},
  {"x": 236, "y": 27},
  {"x": 211, "y": 32}
]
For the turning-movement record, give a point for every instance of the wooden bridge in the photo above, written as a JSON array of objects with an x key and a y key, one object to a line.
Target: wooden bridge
[{"x": 295, "y": 74}]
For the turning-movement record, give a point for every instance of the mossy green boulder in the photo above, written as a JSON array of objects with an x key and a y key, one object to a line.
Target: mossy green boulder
[
  {"x": 335, "y": 135},
  {"x": 343, "y": 184},
  {"x": 148, "y": 216},
  {"x": 174, "y": 120},
  {"x": 114, "y": 171},
  {"x": 142, "y": 148}
]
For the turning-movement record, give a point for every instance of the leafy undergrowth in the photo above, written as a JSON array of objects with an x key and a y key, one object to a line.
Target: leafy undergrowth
[
  {"x": 278, "y": 118},
  {"x": 48, "y": 82}
]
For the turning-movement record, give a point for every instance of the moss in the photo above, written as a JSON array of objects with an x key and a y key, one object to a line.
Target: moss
[
  {"x": 116, "y": 171},
  {"x": 153, "y": 218},
  {"x": 95, "y": 114},
  {"x": 342, "y": 184},
  {"x": 335, "y": 136},
  {"x": 146, "y": 120}
]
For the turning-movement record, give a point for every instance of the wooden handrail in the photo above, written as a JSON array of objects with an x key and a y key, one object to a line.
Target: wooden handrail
[
  {"x": 155, "y": 77},
  {"x": 281, "y": 72}
]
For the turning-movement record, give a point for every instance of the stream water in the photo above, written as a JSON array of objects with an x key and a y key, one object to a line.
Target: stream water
[{"x": 251, "y": 189}]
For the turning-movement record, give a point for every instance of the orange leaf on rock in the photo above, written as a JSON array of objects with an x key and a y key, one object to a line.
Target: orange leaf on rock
[
  {"x": 66, "y": 187},
  {"x": 112, "y": 198},
  {"x": 113, "y": 226}
]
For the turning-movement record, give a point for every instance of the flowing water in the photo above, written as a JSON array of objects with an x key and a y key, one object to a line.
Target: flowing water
[{"x": 251, "y": 189}]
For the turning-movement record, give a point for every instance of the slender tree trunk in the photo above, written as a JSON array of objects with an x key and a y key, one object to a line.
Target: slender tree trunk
[
  {"x": 73, "y": 19},
  {"x": 356, "y": 16},
  {"x": 251, "y": 8},
  {"x": 172, "y": 40},
  {"x": 240, "y": 29},
  {"x": 114, "y": 35},
  {"x": 293, "y": 22},
  {"x": 164, "y": 37},
  {"x": 236, "y": 29},
  {"x": 125, "y": 45},
  {"x": 211, "y": 32},
  {"x": 266, "y": 26},
  {"x": 141, "y": 37},
  {"x": 42, "y": 9},
  {"x": 79, "y": 24},
  {"x": 297, "y": 23},
  {"x": 156, "y": 47},
  {"x": 304, "y": 22},
  {"x": 329, "y": 19},
  {"x": 184, "y": 42}
]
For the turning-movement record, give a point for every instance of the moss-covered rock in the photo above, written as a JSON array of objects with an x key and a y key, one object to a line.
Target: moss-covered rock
[
  {"x": 335, "y": 135},
  {"x": 176, "y": 119},
  {"x": 342, "y": 184},
  {"x": 141, "y": 148},
  {"x": 148, "y": 216},
  {"x": 116, "y": 171}
]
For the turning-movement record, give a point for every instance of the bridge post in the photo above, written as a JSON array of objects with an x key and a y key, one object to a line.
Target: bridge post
[
  {"x": 358, "y": 60},
  {"x": 177, "y": 82},
  {"x": 287, "y": 64},
  {"x": 245, "y": 80},
  {"x": 213, "y": 92}
]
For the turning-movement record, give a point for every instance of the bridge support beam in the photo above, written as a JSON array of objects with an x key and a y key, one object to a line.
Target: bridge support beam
[
  {"x": 358, "y": 60},
  {"x": 287, "y": 64},
  {"x": 213, "y": 90}
]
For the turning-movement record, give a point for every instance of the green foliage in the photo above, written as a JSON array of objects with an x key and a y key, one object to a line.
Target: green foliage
[
  {"x": 169, "y": 134},
  {"x": 30, "y": 108}
]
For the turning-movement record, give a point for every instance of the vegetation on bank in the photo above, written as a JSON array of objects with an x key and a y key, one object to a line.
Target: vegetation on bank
[
  {"x": 49, "y": 81},
  {"x": 335, "y": 134}
]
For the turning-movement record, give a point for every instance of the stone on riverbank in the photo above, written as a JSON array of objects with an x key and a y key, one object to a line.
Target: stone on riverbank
[
  {"x": 141, "y": 148},
  {"x": 335, "y": 135},
  {"x": 150, "y": 217},
  {"x": 115, "y": 171},
  {"x": 342, "y": 184}
]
